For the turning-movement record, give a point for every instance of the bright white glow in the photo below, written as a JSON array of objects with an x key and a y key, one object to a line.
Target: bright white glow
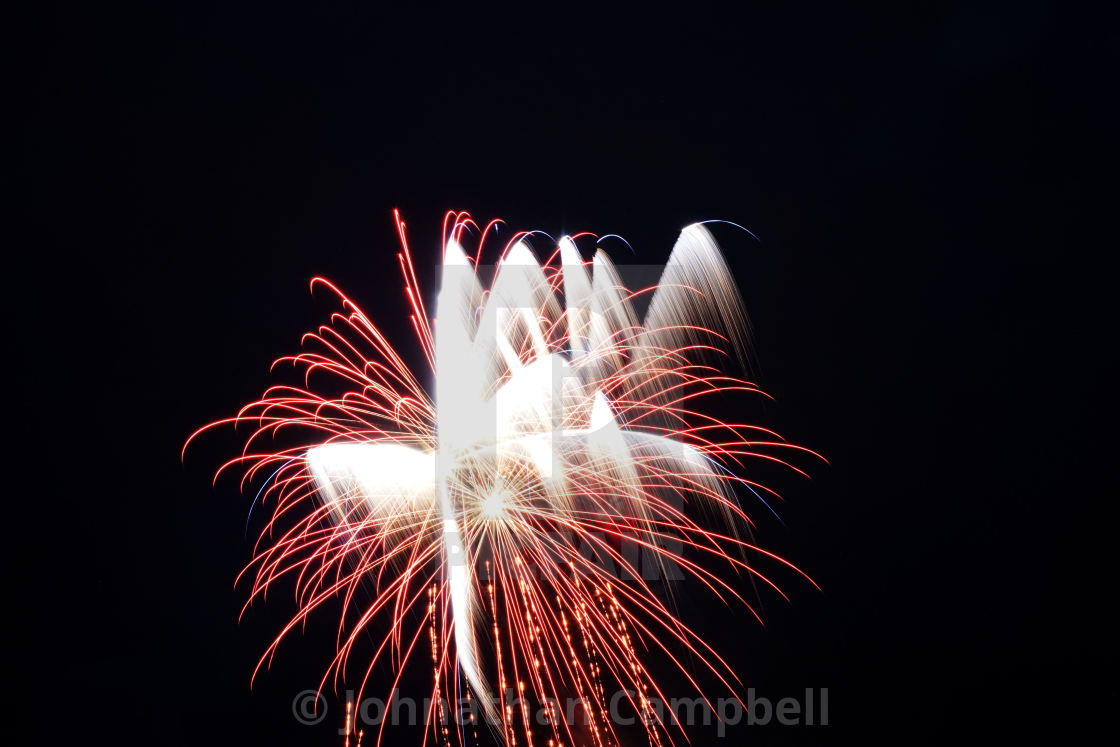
[
  {"x": 493, "y": 505},
  {"x": 387, "y": 478}
]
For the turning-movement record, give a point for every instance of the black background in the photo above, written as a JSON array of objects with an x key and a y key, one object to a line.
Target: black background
[{"x": 932, "y": 297}]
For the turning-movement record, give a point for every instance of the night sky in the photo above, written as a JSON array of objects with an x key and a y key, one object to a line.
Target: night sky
[{"x": 931, "y": 293}]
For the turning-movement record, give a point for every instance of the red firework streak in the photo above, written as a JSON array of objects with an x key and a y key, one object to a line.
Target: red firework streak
[{"x": 495, "y": 525}]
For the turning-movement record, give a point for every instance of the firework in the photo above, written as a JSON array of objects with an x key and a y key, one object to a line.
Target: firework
[{"x": 490, "y": 523}]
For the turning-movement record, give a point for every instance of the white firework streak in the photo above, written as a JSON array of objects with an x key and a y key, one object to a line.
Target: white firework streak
[{"x": 548, "y": 414}]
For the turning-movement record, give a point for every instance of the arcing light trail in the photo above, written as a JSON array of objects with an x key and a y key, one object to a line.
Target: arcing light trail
[{"x": 561, "y": 430}]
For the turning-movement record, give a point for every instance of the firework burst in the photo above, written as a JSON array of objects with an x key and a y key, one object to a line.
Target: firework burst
[{"x": 504, "y": 523}]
